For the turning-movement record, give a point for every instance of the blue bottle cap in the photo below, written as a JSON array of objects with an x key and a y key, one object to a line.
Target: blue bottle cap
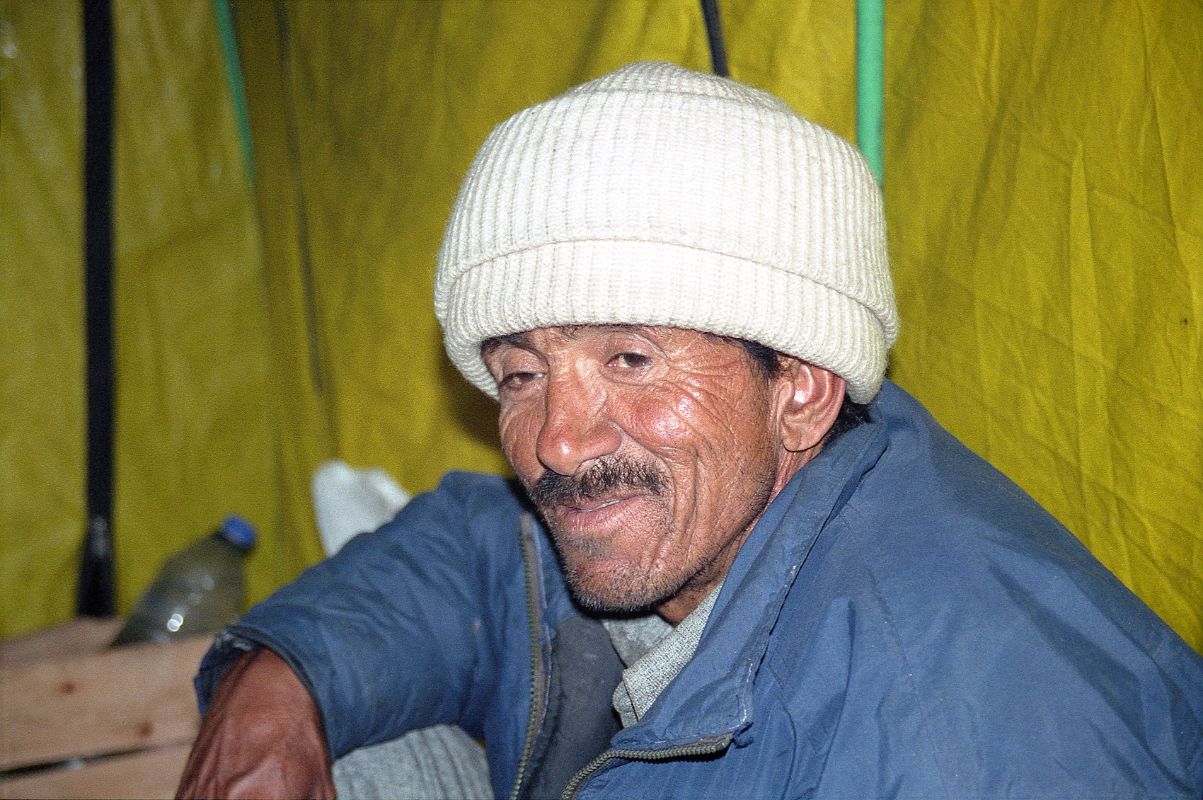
[{"x": 238, "y": 531}]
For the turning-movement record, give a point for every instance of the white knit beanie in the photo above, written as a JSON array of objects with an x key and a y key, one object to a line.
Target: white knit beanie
[{"x": 656, "y": 195}]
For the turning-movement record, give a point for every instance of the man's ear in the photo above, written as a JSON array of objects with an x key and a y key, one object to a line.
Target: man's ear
[{"x": 810, "y": 398}]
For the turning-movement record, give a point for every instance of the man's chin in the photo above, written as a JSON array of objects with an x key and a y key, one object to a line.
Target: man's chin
[{"x": 616, "y": 591}]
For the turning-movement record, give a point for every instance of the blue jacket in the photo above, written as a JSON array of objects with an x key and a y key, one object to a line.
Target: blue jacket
[{"x": 903, "y": 622}]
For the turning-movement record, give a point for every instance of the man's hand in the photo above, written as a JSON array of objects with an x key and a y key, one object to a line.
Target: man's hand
[{"x": 261, "y": 737}]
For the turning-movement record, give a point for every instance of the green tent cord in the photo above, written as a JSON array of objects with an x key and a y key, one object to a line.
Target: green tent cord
[
  {"x": 870, "y": 58},
  {"x": 229, "y": 47}
]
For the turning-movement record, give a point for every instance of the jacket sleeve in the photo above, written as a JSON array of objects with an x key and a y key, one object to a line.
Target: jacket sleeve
[{"x": 395, "y": 632}]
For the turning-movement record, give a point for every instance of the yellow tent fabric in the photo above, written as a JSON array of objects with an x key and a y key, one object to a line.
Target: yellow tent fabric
[
  {"x": 1041, "y": 184},
  {"x": 1046, "y": 214},
  {"x": 41, "y": 315},
  {"x": 193, "y": 440}
]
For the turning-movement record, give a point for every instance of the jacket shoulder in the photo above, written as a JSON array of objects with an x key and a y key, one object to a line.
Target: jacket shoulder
[{"x": 942, "y": 607}]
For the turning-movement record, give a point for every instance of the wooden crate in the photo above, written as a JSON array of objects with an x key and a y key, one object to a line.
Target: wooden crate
[{"x": 118, "y": 723}]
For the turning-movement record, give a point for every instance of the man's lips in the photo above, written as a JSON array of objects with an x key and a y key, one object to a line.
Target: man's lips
[
  {"x": 594, "y": 505},
  {"x": 586, "y": 515}
]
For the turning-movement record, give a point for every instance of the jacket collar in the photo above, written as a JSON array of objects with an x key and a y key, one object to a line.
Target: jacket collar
[{"x": 712, "y": 696}]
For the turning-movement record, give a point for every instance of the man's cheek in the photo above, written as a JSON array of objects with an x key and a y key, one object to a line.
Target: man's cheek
[
  {"x": 661, "y": 423},
  {"x": 518, "y": 438}
]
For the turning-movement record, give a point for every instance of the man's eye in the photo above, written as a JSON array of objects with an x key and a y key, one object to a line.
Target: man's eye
[
  {"x": 516, "y": 380},
  {"x": 630, "y": 360}
]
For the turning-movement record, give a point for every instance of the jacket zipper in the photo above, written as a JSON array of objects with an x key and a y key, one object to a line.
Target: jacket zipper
[
  {"x": 538, "y": 679},
  {"x": 700, "y": 748}
]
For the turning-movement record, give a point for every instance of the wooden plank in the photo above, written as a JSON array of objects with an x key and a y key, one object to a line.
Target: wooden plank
[
  {"x": 78, "y": 637},
  {"x": 150, "y": 774},
  {"x": 124, "y": 699}
]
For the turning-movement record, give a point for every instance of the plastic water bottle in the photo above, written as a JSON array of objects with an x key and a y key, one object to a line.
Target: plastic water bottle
[{"x": 198, "y": 590}]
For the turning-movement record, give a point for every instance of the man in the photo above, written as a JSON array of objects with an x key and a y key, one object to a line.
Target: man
[{"x": 739, "y": 565}]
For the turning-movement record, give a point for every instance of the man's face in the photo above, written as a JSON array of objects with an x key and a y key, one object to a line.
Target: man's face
[{"x": 650, "y": 452}]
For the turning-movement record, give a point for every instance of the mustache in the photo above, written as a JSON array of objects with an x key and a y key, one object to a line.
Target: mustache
[{"x": 602, "y": 479}]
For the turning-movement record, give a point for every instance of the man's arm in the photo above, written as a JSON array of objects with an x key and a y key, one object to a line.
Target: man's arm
[
  {"x": 404, "y": 628},
  {"x": 261, "y": 737}
]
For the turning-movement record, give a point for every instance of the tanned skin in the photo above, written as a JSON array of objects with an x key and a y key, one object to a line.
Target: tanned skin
[{"x": 657, "y": 450}]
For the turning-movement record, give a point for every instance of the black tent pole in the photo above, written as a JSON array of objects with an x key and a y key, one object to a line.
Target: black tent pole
[
  {"x": 714, "y": 36},
  {"x": 95, "y": 595}
]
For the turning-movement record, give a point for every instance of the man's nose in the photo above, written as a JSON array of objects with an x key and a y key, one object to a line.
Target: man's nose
[{"x": 576, "y": 428}]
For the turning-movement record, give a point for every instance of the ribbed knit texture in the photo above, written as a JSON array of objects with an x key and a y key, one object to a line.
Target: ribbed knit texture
[{"x": 656, "y": 195}]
